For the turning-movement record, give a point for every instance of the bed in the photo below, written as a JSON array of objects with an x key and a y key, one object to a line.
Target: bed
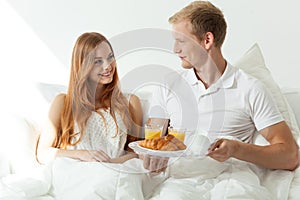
[{"x": 185, "y": 178}]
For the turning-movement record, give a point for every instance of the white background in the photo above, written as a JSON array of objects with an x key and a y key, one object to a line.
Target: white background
[{"x": 37, "y": 37}]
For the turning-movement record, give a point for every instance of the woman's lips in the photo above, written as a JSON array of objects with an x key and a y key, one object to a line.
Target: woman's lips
[{"x": 106, "y": 74}]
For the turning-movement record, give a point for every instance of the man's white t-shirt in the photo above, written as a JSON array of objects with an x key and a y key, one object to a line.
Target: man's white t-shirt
[{"x": 237, "y": 105}]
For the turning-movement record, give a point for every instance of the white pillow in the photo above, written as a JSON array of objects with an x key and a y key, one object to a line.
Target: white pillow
[
  {"x": 19, "y": 135},
  {"x": 21, "y": 132},
  {"x": 4, "y": 165},
  {"x": 49, "y": 91},
  {"x": 293, "y": 98},
  {"x": 253, "y": 63},
  {"x": 19, "y": 144}
]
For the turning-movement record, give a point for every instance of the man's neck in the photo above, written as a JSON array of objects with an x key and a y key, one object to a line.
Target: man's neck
[{"x": 212, "y": 70}]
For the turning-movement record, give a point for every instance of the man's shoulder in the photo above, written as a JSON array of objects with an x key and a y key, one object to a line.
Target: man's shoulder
[
  {"x": 247, "y": 82},
  {"x": 243, "y": 76}
]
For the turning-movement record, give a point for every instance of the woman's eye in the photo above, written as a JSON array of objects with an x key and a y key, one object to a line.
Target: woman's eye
[
  {"x": 98, "y": 62},
  {"x": 111, "y": 57}
]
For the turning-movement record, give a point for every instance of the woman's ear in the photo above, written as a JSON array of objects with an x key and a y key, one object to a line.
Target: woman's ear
[{"x": 208, "y": 40}]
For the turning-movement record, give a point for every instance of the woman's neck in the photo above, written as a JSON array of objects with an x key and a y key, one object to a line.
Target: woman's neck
[{"x": 99, "y": 103}]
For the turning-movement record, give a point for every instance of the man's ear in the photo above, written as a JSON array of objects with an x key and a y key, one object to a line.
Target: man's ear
[{"x": 208, "y": 40}]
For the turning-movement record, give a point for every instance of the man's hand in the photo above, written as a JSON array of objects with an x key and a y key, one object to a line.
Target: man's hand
[
  {"x": 154, "y": 163},
  {"x": 222, "y": 149}
]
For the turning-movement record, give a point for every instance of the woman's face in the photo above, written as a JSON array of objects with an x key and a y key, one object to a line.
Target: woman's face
[{"x": 103, "y": 69}]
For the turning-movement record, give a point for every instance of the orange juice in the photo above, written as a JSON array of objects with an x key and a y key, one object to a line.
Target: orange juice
[
  {"x": 178, "y": 133},
  {"x": 152, "y": 133}
]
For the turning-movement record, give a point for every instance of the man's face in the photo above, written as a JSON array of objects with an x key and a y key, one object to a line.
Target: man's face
[{"x": 187, "y": 46}]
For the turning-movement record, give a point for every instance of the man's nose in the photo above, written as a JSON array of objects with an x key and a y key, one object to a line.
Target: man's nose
[{"x": 176, "y": 48}]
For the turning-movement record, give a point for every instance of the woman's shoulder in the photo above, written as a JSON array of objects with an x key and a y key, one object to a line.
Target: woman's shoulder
[
  {"x": 60, "y": 98},
  {"x": 132, "y": 98},
  {"x": 58, "y": 102}
]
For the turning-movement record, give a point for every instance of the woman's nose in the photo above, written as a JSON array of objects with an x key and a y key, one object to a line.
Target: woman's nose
[{"x": 107, "y": 65}]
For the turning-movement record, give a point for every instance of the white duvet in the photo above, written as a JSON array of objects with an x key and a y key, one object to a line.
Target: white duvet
[
  {"x": 185, "y": 178},
  {"x": 208, "y": 179}
]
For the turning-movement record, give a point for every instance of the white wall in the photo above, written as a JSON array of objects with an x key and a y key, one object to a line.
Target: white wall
[{"x": 37, "y": 36}]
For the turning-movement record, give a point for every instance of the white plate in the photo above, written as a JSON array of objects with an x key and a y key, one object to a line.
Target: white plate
[{"x": 141, "y": 150}]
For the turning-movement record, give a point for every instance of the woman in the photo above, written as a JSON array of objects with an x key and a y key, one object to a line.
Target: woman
[{"x": 94, "y": 120}]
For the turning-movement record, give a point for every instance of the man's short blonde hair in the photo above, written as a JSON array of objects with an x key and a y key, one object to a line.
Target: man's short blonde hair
[{"x": 204, "y": 17}]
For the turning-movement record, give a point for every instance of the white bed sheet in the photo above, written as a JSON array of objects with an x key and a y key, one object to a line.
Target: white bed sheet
[
  {"x": 232, "y": 179},
  {"x": 185, "y": 178},
  {"x": 294, "y": 193}
]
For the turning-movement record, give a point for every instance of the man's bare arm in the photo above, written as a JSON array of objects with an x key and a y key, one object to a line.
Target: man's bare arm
[{"x": 282, "y": 153}]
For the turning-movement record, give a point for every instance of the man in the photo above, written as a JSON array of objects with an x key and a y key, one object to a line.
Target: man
[{"x": 223, "y": 101}]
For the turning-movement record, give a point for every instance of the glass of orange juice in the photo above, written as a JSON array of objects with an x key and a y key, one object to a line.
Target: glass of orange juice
[
  {"x": 179, "y": 133},
  {"x": 152, "y": 131}
]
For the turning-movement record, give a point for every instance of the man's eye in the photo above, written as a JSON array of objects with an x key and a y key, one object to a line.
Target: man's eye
[{"x": 98, "y": 62}]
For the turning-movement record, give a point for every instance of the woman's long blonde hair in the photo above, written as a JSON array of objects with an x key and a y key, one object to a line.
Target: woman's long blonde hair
[{"x": 80, "y": 98}]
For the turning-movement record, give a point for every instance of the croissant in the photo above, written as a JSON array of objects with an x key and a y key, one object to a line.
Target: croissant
[{"x": 166, "y": 143}]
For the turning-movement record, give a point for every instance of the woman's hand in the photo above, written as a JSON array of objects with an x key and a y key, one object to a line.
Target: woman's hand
[
  {"x": 124, "y": 158},
  {"x": 93, "y": 156}
]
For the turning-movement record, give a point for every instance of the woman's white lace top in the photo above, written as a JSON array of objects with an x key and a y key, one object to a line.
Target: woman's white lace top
[{"x": 101, "y": 135}]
